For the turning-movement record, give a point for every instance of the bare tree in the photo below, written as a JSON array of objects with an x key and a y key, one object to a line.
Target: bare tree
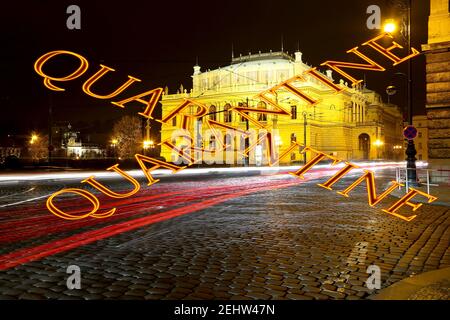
[
  {"x": 38, "y": 147},
  {"x": 128, "y": 133}
]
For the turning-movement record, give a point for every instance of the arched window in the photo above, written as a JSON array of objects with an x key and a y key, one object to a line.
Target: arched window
[
  {"x": 227, "y": 114},
  {"x": 212, "y": 112},
  {"x": 262, "y": 116},
  {"x": 364, "y": 145},
  {"x": 242, "y": 140},
  {"x": 228, "y": 141},
  {"x": 212, "y": 142}
]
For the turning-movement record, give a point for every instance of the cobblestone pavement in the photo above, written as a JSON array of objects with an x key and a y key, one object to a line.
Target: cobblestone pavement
[{"x": 296, "y": 242}]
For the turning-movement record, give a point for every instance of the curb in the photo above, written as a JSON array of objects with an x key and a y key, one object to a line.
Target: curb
[{"x": 400, "y": 193}]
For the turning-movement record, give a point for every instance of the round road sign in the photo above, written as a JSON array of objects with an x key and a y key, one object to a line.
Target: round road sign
[{"x": 410, "y": 132}]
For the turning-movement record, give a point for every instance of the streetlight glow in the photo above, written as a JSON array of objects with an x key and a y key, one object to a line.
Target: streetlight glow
[
  {"x": 389, "y": 26},
  {"x": 378, "y": 143},
  {"x": 33, "y": 139}
]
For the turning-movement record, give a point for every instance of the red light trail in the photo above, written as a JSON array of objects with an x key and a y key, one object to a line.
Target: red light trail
[
  {"x": 20, "y": 226},
  {"x": 34, "y": 253}
]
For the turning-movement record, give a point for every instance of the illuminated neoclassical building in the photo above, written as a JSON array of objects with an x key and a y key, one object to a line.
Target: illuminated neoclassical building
[{"x": 354, "y": 124}]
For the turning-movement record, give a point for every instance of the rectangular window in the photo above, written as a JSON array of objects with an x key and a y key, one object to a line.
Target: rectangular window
[
  {"x": 174, "y": 121},
  {"x": 420, "y": 134},
  {"x": 293, "y": 112}
]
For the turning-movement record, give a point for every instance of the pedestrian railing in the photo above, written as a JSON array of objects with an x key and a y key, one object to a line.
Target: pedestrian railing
[{"x": 424, "y": 177}]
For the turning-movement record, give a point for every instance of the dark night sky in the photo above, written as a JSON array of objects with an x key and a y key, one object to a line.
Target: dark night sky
[{"x": 158, "y": 41}]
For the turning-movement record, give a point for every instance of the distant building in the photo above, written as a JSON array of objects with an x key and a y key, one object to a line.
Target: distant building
[
  {"x": 9, "y": 148},
  {"x": 68, "y": 143},
  {"x": 76, "y": 149},
  {"x": 421, "y": 141},
  {"x": 354, "y": 124}
]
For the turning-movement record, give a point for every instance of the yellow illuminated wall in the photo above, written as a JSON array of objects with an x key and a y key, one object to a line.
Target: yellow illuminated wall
[
  {"x": 345, "y": 125},
  {"x": 421, "y": 141}
]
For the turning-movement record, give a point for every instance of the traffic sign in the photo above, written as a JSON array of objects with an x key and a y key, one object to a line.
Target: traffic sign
[{"x": 410, "y": 132}]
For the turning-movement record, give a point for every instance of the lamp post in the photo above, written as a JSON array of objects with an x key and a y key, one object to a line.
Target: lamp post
[
  {"x": 305, "y": 114},
  {"x": 410, "y": 150},
  {"x": 114, "y": 142},
  {"x": 247, "y": 140},
  {"x": 50, "y": 136}
]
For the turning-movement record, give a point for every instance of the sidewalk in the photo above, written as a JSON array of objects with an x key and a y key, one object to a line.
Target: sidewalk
[
  {"x": 432, "y": 285},
  {"x": 442, "y": 193}
]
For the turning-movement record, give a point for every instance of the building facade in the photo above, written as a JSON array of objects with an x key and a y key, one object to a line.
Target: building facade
[
  {"x": 421, "y": 141},
  {"x": 438, "y": 83},
  {"x": 354, "y": 124}
]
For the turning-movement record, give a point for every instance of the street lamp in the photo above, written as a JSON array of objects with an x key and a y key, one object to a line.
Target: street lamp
[
  {"x": 148, "y": 144},
  {"x": 410, "y": 150},
  {"x": 34, "y": 138},
  {"x": 389, "y": 26},
  {"x": 378, "y": 144},
  {"x": 114, "y": 142},
  {"x": 305, "y": 123}
]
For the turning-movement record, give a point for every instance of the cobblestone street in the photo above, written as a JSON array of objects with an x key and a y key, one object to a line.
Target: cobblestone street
[{"x": 286, "y": 239}]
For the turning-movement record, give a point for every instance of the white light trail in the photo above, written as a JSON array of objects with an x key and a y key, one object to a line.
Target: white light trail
[{"x": 10, "y": 178}]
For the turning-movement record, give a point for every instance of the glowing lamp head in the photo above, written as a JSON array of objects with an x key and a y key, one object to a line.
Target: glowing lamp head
[
  {"x": 34, "y": 138},
  {"x": 147, "y": 144},
  {"x": 389, "y": 26},
  {"x": 114, "y": 141}
]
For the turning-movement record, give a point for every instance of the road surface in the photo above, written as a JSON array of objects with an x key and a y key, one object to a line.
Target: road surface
[{"x": 215, "y": 235}]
